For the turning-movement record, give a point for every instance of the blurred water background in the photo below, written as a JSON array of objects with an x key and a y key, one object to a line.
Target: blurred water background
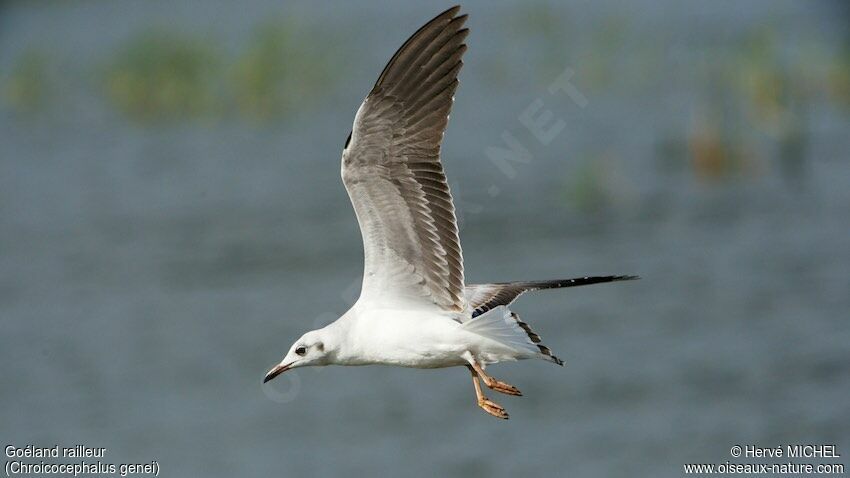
[{"x": 171, "y": 219}]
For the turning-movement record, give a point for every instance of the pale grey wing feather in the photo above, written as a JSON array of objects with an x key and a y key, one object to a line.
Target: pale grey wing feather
[
  {"x": 391, "y": 169},
  {"x": 483, "y": 297}
]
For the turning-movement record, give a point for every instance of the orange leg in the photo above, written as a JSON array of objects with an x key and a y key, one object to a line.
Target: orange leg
[
  {"x": 494, "y": 384},
  {"x": 485, "y": 403}
]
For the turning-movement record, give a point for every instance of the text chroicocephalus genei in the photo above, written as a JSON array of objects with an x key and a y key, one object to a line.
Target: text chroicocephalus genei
[{"x": 414, "y": 309}]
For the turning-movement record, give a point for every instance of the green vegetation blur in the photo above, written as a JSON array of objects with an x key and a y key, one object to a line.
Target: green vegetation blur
[
  {"x": 752, "y": 88},
  {"x": 162, "y": 74}
]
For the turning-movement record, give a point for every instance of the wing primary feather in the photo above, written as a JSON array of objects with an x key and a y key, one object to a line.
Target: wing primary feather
[
  {"x": 483, "y": 297},
  {"x": 391, "y": 168},
  {"x": 442, "y": 17}
]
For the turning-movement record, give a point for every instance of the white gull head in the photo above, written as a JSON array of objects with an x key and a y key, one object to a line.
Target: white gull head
[{"x": 316, "y": 347}]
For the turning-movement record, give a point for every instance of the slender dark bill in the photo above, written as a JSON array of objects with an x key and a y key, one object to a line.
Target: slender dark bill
[{"x": 275, "y": 371}]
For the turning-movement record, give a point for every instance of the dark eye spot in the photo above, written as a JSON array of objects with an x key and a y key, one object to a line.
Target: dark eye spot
[
  {"x": 301, "y": 350},
  {"x": 320, "y": 347}
]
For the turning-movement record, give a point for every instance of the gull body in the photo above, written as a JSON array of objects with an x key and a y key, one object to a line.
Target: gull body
[
  {"x": 415, "y": 309},
  {"x": 410, "y": 338}
]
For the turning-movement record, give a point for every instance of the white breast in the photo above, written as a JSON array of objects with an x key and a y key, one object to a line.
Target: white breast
[{"x": 406, "y": 338}]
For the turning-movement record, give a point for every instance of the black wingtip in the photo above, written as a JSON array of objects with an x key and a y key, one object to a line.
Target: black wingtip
[
  {"x": 455, "y": 9},
  {"x": 449, "y": 14},
  {"x": 626, "y": 278}
]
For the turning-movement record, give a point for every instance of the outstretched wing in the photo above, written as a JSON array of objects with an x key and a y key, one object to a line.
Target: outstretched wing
[
  {"x": 483, "y": 297},
  {"x": 391, "y": 169}
]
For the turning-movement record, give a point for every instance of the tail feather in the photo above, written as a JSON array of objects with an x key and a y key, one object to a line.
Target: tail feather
[{"x": 505, "y": 327}]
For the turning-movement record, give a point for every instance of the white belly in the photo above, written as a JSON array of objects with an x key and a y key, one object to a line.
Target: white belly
[{"x": 419, "y": 339}]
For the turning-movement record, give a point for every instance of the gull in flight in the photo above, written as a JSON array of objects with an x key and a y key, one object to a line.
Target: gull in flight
[{"x": 414, "y": 308}]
